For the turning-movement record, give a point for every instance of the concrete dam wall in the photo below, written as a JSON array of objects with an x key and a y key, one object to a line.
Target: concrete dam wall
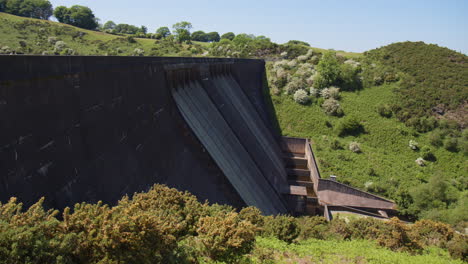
[{"x": 77, "y": 129}]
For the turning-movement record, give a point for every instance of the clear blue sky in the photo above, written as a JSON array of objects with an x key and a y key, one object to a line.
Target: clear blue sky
[{"x": 351, "y": 25}]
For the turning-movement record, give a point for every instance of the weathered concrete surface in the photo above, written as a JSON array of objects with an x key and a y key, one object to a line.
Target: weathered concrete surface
[{"x": 78, "y": 129}]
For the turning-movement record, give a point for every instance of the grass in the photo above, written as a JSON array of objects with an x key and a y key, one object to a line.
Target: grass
[
  {"x": 271, "y": 250},
  {"x": 386, "y": 160},
  {"x": 346, "y": 54}
]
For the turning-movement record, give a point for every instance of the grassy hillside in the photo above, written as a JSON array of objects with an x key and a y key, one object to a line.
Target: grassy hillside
[{"x": 34, "y": 36}]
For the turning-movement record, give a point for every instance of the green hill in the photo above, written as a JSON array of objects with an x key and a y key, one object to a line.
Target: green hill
[
  {"x": 434, "y": 81},
  {"x": 34, "y": 36}
]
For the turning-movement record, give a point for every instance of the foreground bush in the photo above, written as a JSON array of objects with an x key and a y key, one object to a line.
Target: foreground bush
[
  {"x": 164, "y": 225},
  {"x": 282, "y": 227},
  {"x": 226, "y": 236}
]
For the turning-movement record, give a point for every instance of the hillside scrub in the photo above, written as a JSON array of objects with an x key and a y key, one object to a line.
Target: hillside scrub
[
  {"x": 164, "y": 225},
  {"x": 433, "y": 80}
]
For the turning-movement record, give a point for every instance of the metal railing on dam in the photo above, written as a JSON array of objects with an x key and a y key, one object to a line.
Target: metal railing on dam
[{"x": 77, "y": 128}]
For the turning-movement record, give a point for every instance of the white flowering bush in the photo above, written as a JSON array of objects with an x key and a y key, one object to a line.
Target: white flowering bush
[
  {"x": 280, "y": 64},
  {"x": 5, "y": 50},
  {"x": 413, "y": 145},
  {"x": 301, "y": 97},
  {"x": 302, "y": 58},
  {"x": 305, "y": 70},
  {"x": 332, "y": 107},
  {"x": 314, "y": 92},
  {"x": 138, "y": 52},
  {"x": 294, "y": 85},
  {"x": 292, "y": 63},
  {"x": 334, "y": 92},
  {"x": 325, "y": 93},
  {"x": 420, "y": 161},
  {"x": 284, "y": 54},
  {"x": 352, "y": 63},
  {"x": 52, "y": 40},
  {"x": 355, "y": 147},
  {"x": 59, "y": 46}
]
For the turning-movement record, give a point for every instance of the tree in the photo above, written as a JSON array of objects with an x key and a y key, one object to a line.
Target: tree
[
  {"x": 329, "y": 70},
  {"x": 13, "y": 7},
  {"x": 126, "y": 29},
  {"x": 182, "y": 31},
  {"x": 79, "y": 16},
  {"x": 213, "y": 37},
  {"x": 143, "y": 29},
  {"x": 109, "y": 25},
  {"x": 200, "y": 36},
  {"x": 2, "y": 5},
  {"x": 163, "y": 32},
  {"x": 41, "y": 9},
  {"x": 228, "y": 35}
]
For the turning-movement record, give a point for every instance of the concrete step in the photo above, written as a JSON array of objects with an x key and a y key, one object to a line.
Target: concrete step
[
  {"x": 298, "y": 175},
  {"x": 296, "y": 162},
  {"x": 293, "y": 155},
  {"x": 301, "y": 183}
]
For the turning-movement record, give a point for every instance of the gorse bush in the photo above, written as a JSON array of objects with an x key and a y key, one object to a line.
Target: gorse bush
[
  {"x": 282, "y": 227},
  {"x": 164, "y": 225},
  {"x": 226, "y": 236}
]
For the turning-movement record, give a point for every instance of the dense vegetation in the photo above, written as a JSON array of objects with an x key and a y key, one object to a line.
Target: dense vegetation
[
  {"x": 434, "y": 82},
  {"x": 164, "y": 225}
]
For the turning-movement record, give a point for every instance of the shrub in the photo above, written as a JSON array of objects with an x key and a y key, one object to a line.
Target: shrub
[
  {"x": 138, "y": 52},
  {"x": 339, "y": 229},
  {"x": 349, "y": 126},
  {"x": 282, "y": 227},
  {"x": 332, "y": 107},
  {"x": 335, "y": 144},
  {"x": 430, "y": 233},
  {"x": 253, "y": 215},
  {"x": 458, "y": 247},
  {"x": 312, "y": 227},
  {"x": 332, "y": 92},
  {"x": 384, "y": 110},
  {"x": 226, "y": 236},
  {"x": 394, "y": 235},
  {"x": 366, "y": 228},
  {"x": 355, "y": 147},
  {"x": 59, "y": 46},
  {"x": 130, "y": 39},
  {"x": 436, "y": 138},
  {"x": 32, "y": 236},
  {"x": 413, "y": 145},
  {"x": 52, "y": 40},
  {"x": 301, "y": 97},
  {"x": 420, "y": 161},
  {"x": 314, "y": 92},
  {"x": 294, "y": 85},
  {"x": 451, "y": 144},
  {"x": 427, "y": 154},
  {"x": 6, "y": 50}
]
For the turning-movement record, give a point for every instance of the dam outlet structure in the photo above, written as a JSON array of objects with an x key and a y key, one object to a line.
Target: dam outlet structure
[{"x": 85, "y": 128}]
